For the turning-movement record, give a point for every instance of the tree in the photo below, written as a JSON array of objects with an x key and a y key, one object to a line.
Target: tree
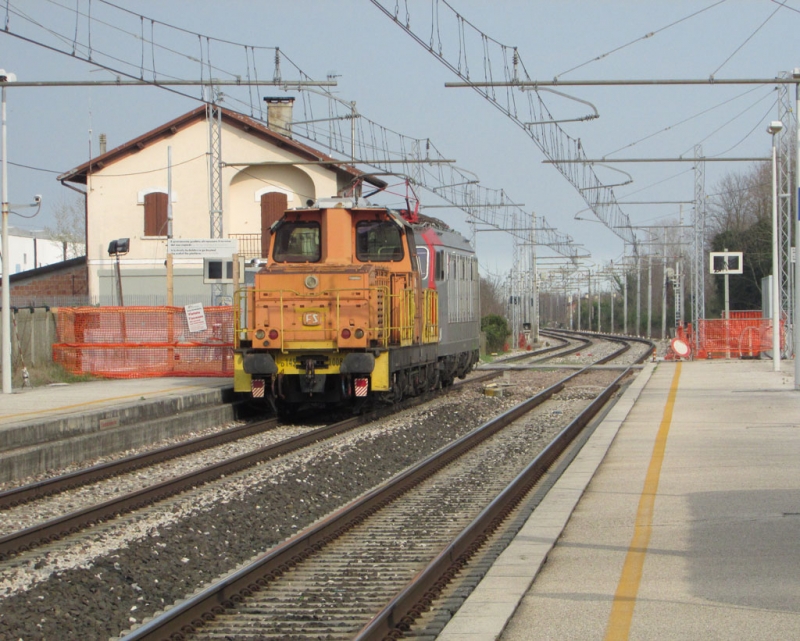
[
  {"x": 70, "y": 226},
  {"x": 740, "y": 219},
  {"x": 497, "y": 331},
  {"x": 491, "y": 297}
]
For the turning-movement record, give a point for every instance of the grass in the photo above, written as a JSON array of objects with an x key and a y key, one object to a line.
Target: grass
[{"x": 47, "y": 374}]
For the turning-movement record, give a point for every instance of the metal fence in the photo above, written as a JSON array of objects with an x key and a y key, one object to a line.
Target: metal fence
[{"x": 33, "y": 332}]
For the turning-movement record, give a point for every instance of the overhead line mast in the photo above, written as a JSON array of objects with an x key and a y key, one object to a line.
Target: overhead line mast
[
  {"x": 417, "y": 157},
  {"x": 540, "y": 124}
]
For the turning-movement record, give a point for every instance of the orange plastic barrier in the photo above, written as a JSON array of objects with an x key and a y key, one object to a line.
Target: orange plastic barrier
[
  {"x": 742, "y": 337},
  {"x": 143, "y": 342},
  {"x": 745, "y": 335},
  {"x": 748, "y": 313}
]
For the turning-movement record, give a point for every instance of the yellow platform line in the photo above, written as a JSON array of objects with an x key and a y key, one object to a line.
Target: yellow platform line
[
  {"x": 97, "y": 402},
  {"x": 619, "y": 621}
]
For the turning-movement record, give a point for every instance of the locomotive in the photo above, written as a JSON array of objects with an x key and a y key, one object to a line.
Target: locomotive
[{"x": 356, "y": 303}]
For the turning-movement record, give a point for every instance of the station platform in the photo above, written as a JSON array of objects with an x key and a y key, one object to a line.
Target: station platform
[
  {"x": 55, "y": 426},
  {"x": 679, "y": 519}
]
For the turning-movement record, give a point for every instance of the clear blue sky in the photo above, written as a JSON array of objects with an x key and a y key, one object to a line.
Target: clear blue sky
[{"x": 399, "y": 85}]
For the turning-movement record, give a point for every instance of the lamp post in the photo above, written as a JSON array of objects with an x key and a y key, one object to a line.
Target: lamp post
[
  {"x": 774, "y": 127},
  {"x": 118, "y": 248},
  {"x": 796, "y": 76},
  {"x": 6, "y": 297}
]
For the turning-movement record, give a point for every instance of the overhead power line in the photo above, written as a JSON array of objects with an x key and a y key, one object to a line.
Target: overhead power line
[
  {"x": 470, "y": 53},
  {"x": 149, "y": 51}
]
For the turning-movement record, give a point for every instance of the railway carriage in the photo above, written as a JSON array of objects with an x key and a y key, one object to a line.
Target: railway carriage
[{"x": 354, "y": 303}]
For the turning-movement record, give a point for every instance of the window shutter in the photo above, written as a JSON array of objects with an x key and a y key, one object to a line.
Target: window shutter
[
  {"x": 155, "y": 214},
  {"x": 273, "y": 206}
]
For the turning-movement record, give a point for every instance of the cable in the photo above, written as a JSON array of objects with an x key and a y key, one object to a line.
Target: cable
[
  {"x": 684, "y": 121},
  {"x": 714, "y": 73},
  {"x": 750, "y": 133},
  {"x": 48, "y": 171},
  {"x": 725, "y": 124},
  {"x": 641, "y": 38},
  {"x": 151, "y": 171}
]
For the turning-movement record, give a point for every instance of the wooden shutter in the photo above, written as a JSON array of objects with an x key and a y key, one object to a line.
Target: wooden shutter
[
  {"x": 273, "y": 206},
  {"x": 155, "y": 214}
]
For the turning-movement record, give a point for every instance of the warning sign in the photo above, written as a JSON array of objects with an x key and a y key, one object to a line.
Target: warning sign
[{"x": 196, "y": 317}]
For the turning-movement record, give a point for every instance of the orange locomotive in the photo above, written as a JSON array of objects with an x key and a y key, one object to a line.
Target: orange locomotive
[{"x": 356, "y": 302}]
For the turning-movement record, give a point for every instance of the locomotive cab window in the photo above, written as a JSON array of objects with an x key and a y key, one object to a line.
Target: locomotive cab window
[
  {"x": 422, "y": 258},
  {"x": 297, "y": 242},
  {"x": 378, "y": 241}
]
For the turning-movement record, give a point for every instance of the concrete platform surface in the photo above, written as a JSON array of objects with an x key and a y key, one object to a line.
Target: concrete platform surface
[
  {"x": 49, "y": 427},
  {"x": 30, "y": 404},
  {"x": 680, "y": 519}
]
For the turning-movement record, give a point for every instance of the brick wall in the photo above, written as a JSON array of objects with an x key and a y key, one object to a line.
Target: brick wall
[{"x": 61, "y": 284}]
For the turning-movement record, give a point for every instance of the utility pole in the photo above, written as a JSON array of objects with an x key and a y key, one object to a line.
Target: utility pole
[
  {"x": 214, "y": 118},
  {"x": 649, "y": 295},
  {"x": 638, "y": 295},
  {"x": 6, "y": 297}
]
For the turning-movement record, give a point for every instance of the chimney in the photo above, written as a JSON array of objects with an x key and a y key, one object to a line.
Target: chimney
[
  {"x": 279, "y": 115},
  {"x": 102, "y": 144}
]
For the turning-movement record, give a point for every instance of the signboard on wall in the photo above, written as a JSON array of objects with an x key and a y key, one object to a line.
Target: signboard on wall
[{"x": 202, "y": 247}]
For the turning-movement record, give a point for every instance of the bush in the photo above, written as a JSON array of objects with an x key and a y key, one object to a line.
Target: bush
[{"x": 497, "y": 331}]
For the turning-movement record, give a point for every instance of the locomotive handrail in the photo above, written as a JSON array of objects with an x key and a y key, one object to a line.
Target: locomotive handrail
[
  {"x": 402, "y": 302},
  {"x": 404, "y": 328},
  {"x": 430, "y": 326}
]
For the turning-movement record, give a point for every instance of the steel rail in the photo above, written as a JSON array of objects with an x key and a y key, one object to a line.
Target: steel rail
[
  {"x": 191, "y": 614},
  {"x": 616, "y": 338},
  {"x": 47, "y": 487},
  {"x": 401, "y": 612},
  {"x": 546, "y": 350},
  {"x": 73, "y": 522}
]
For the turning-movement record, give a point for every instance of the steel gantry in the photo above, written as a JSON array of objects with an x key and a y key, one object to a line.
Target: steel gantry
[
  {"x": 698, "y": 246},
  {"x": 786, "y": 148}
]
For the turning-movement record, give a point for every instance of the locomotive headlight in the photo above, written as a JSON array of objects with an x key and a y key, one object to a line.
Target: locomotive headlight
[
  {"x": 359, "y": 333},
  {"x": 260, "y": 334},
  {"x": 312, "y": 281},
  {"x": 273, "y": 334},
  {"x": 345, "y": 333}
]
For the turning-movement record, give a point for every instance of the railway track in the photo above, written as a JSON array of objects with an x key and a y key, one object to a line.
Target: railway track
[
  {"x": 71, "y": 523},
  {"x": 62, "y": 590},
  {"x": 20, "y": 495},
  {"x": 382, "y": 547}
]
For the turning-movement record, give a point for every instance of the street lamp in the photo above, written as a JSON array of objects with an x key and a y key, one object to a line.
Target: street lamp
[
  {"x": 118, "y": 248},
  {"x": 6, "y": 297},
  {"x": 775, "y": 127},
  {"x": 796, "y": 76}
]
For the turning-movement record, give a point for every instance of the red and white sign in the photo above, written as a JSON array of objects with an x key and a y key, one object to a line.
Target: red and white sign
[
  {"x": 361, "y": 386},
  {"x": 257, "y": 387},
  {"x": 680, "y": 347},
  {"x": 196, "y": 317}
]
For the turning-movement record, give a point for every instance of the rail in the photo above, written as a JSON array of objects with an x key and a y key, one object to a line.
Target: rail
[
  {"x": 54, "y": 529},
  {"x": 205, "y": 605},
  {"x": 24, "y": 494}
]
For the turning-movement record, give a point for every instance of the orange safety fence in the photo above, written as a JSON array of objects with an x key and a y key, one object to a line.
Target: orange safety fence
[
  {"x": 747, "y": 313},
  {"x": 735, "y": 338},
  {"x": 144, "y": 342},
  {"x": 746, "y": 335},
  {"x": 739, "y": 337}
]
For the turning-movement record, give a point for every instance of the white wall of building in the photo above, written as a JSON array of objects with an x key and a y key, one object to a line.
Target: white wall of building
[
  {"x": 116, "y": 196},
  {"x": 31, "y": 249}
]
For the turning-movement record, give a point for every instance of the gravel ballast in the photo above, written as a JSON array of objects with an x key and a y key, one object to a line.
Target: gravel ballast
[{"x": 142, "y": 563}]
